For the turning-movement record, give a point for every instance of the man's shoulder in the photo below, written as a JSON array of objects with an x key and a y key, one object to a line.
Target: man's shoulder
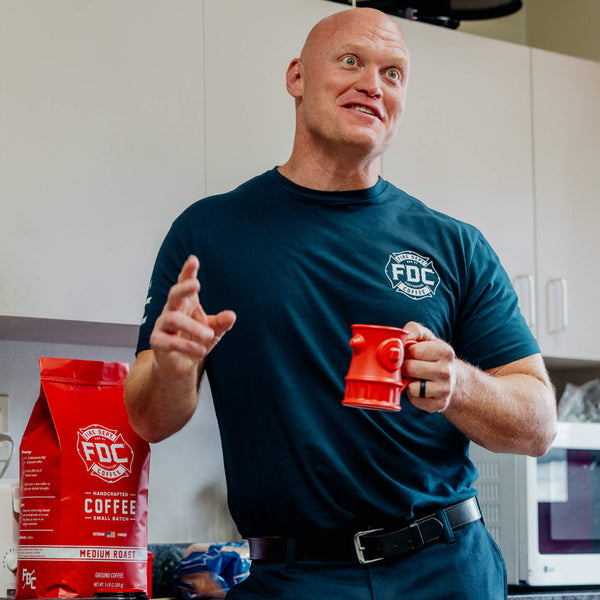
[{"x": 436, "y": 217}]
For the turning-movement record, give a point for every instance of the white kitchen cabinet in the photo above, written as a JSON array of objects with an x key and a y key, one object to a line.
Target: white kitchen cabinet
[
  {"x": 116, "y": 116},
  {"x": 103, "y": 141},
  {"x": 248, "y": 46},
  {"x": 464, "y": 146},
  {"x": 101, "y": 146},
  {"x": 508, "y": 139},
  {"x": 566, "y": 111}
]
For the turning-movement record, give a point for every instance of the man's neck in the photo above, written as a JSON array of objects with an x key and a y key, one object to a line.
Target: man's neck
[{"x": 335, "y": 175}]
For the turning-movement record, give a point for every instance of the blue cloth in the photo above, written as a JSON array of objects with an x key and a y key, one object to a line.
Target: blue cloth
[
  {"x": 299, "y": 267},
  {"x": 471, "y": 568}
]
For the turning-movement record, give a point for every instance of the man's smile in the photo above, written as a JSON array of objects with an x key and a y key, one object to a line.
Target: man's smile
[{"x": 365, "y": 109}]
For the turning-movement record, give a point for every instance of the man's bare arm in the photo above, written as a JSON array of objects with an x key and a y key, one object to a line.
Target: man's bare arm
[{"x": 161, "y": 390}]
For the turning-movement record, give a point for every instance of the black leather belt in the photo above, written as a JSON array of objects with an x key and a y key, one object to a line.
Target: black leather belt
[{"x": 368, "y": 546}]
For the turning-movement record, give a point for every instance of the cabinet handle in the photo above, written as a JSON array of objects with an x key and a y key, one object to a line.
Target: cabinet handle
[
  {"x": 532, "y": 317},
  {"x": 564, "y": 313}
]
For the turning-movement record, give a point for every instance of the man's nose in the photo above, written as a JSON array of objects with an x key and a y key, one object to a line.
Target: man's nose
[{"x": 370, "y": 82}]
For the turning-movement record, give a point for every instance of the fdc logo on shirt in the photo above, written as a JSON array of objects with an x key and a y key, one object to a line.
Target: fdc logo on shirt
[{"x": 412, "y": 274}]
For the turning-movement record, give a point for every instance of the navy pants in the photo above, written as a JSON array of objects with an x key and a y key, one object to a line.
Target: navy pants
[{"x": 470, "y": 567}]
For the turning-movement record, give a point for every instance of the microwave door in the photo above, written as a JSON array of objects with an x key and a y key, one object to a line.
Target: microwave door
[
  {"x": 545, "y": 512},
  {"x": 569, "y": 501}
]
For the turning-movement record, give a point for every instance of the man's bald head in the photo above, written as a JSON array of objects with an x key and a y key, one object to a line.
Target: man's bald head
[{"x": 363, "y": 18}]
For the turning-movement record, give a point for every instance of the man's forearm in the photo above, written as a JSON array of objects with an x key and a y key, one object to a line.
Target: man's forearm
[
  {"x": 159, "y": 403},
  {"x": 505, "y": 410}
]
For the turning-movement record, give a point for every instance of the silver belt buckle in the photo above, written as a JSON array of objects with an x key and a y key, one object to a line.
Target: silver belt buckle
[{"x": 360, "y": 548}]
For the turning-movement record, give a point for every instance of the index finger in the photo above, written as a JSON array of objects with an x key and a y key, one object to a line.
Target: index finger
[
  {"x": 419, "y": 332},
  {"x": 189, "y": 269}
]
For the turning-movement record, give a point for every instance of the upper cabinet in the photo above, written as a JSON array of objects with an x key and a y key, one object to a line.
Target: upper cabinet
[
  {"x": 101, "y": 146},
  {"x": 116, "y": 116},
  {"x": 250, "y": 115},
  {"x": 508, "y": 139},
  {"x": 464, "y": 146},
  {"x": 566, "y": 119}
]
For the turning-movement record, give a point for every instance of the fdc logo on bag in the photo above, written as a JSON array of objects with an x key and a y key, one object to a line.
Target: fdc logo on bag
[{"x": 105, "y": 453}]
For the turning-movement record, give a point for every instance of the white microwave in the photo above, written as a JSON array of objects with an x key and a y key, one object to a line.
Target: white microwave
[{"x": 544, "y": 513}]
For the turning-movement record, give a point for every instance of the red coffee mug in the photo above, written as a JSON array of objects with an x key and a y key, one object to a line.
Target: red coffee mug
[{"x": 374, "y": 380}]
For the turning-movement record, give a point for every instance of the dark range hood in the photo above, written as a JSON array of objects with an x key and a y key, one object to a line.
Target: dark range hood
[{"x": 447, "y": 13}]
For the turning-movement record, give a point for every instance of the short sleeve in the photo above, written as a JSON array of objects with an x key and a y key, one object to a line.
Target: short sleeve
[
  {"x": 490, "y": 329},
  {"x": 173, "y": 253}
]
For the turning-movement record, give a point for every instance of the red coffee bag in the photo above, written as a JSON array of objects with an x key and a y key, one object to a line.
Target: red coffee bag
[{"x": 83, "y": 486}]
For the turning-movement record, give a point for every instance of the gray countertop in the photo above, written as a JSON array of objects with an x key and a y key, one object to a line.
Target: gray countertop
[{"x": 555, "y": 595}]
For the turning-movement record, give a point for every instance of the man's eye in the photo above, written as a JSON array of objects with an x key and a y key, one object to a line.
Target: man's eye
[
  {"x": 393, "y": 73},
  {"x": 350, "y": 61}
]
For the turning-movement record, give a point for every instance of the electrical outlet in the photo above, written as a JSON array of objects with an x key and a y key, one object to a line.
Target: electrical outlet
[{"x": 4, "y": 446}]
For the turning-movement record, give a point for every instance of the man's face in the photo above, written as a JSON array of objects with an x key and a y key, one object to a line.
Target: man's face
[{"x": 353, "y": 78}]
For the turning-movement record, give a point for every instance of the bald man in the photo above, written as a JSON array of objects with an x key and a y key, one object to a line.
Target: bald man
[{"x": 340, "y": 502}]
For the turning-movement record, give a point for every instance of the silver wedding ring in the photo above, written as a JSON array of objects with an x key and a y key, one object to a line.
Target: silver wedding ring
[{"x": 422, "y": 388}]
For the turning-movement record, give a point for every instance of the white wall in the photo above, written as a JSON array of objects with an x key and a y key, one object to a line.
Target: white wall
[
  {"x": 565, "y": 27},
  {"x": 512, "y": 28}
]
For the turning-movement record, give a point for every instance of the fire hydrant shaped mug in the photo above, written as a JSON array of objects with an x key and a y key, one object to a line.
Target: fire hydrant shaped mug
[{"x": 374, "y": 379}]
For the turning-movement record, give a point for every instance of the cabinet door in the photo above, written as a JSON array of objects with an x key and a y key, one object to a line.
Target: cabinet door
[
  {"x": 566, "y": 102},
  {"x": 250, "y": 115},
  {"x": 464, "y": 146},
  {"x": 101, "y": 145}
]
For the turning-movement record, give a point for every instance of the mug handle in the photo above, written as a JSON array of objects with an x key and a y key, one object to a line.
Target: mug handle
[{"x": 407, "y": 380}]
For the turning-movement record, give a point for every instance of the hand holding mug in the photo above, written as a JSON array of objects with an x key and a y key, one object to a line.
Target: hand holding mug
[{"x": 432, "y": 366}]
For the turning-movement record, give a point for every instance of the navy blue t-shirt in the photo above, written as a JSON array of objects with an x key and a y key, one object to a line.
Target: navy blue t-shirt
[{"x": 299, "y": 266}]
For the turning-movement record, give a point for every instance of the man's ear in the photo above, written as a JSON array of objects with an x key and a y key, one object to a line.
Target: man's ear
[{"x": 293, "y": 78}]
